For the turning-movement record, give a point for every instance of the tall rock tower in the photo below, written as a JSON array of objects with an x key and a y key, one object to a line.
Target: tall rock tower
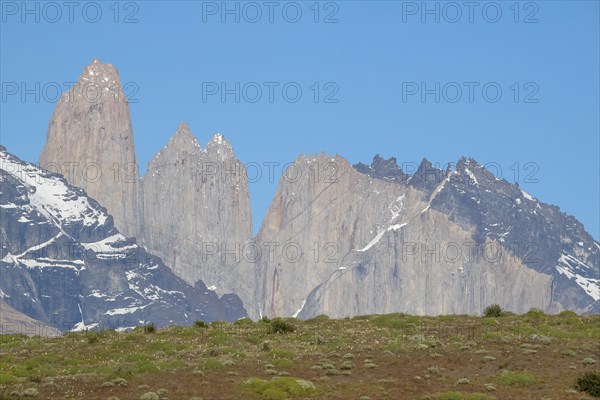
[
  {"x": 197, "y": 214},
  {"x": 90, "y": 142}
]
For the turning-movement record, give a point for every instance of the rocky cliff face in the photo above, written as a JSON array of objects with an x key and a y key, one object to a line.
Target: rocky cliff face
[
  {"x": 192, "y": 208},
  {"x": 338, "y": 239},
  {"x": 90, "y": 142},
  {"x": 65, "y": 264},
  {"x": 197, "y": 213},
  {"x": 435, "y": 242},
  {"x": 314, "y": 221}
]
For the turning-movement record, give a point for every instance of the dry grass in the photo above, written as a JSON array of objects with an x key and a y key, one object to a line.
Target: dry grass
[{"x": 381, "y": 357}]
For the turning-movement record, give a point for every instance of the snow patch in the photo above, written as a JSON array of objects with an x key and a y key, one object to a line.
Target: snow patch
[
  {"x": 50, "y": 196},
  {"x": 471, "y": 175},
  {"x": 570, "y": 266},
  {"x": 527, "y": 195},
  {"x": 125, "y": 310},
  {"x": 300, "y": 309},
  {"x": 81, "y": 326},
  {"x": 380, "y": 235}
]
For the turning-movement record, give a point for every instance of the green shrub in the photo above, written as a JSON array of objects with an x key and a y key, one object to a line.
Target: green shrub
[
  {"x": 279, "y": 388},
  {"x": 451, "y": 396},
  {"x": 516, "y": 379},
  {"x": 6, "y": 378},
  {"x": 283, "y": 363},
  {"x": 150, "y": 328},
  {"x": 143, "y": 367},
  {"x": 589, "y": 383},
  {"x": 568, "y": 314},
  {"x": 92, "y": 337},
  {"x": 213, "y": 364},
  {"x": 463, "y": 396},
  {"x": 279, "y": 325},
  {"x": 493, "y": 311},
  {"x": 318, "y": 318},
  {"x": 282, "y": 353},
  {"x": 535, "y": 313},
  {"x": 244, "y": 321},
  {"x": 200, "y": 324}
]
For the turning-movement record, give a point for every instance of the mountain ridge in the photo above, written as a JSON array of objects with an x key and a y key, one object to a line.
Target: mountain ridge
[
  {"x": 370, "y": 238},
  {"x": 66, "y": 265}
]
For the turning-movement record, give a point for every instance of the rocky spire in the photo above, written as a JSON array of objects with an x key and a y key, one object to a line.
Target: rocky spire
[
  {"x": 90, "y": 142},
  {"x": 197, "y": 213},
  {"x": 183, "y": 137}
]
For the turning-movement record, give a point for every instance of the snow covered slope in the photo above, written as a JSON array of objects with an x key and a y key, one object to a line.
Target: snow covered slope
[{"x": 64, "y": 263}]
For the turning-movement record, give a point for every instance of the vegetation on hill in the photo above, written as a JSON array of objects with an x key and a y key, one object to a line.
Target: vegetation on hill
[{"x": 394, "y": 356}]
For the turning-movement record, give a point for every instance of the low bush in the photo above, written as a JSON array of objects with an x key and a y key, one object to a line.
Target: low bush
[
  {"x": 279, "y": 325},
  {"x": 493, "y": 311},
  {"x": 589, "y": 383},
  {"x": 516, "y": 379},
  {"x": 279, "y": 388}
]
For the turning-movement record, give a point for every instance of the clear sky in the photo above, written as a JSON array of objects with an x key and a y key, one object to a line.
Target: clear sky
[{"x": 373, "y": 57}]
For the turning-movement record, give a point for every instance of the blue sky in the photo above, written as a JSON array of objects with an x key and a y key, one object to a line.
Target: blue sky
[{"x": 372, "y": 56}]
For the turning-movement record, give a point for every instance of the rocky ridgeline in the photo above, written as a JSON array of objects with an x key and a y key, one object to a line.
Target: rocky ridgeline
[{"x": 343, "y": 240}]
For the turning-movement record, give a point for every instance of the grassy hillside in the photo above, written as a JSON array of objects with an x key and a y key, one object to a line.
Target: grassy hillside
[{"x": 533, "y": 356}]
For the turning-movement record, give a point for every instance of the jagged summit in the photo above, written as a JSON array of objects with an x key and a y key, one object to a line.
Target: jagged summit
[
  {"x": 183, "y": 139},
  {"x": 361, "y": 217},
  {"x": 217, "y": 142},
  {"x": 105, "y": 76},
  {"x": 381, "y": 168}
]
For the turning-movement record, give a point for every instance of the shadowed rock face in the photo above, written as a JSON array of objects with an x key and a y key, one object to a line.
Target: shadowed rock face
[
  {"x": 64, "y": 263},
  {"x": 90, "y": 142},
  {"x": 380, "y": 168}
]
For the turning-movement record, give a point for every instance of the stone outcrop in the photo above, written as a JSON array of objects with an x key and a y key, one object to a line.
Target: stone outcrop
[
  {"x": 90, "y": 142},
  {"x": 315, "y": 220},
  {"x": 197, "y": 214}
]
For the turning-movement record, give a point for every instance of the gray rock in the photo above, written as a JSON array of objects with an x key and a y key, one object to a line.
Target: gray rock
[
  {"x": 90, "y": 142},
  {"x": 64, "y": 263},
  {"x": 197, "y": 215}
]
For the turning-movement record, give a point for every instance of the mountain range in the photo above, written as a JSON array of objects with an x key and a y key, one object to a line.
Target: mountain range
[{"x": 337, "y": 239}]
